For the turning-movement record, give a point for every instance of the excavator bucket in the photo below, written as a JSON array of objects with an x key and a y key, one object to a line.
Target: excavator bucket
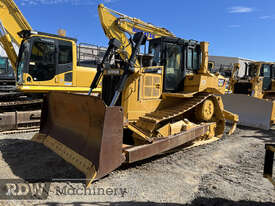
[
  {"x": 83, "y": 131},
  {"x": 253, "y": 112}
]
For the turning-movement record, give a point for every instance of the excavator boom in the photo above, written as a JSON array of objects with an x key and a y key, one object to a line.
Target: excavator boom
[
  {"x": 12, "y": 22},
  {"x": 117, "y": 25}
]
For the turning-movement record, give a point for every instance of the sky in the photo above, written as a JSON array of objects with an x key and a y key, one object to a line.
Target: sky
[{"x": 237, "y": 28}]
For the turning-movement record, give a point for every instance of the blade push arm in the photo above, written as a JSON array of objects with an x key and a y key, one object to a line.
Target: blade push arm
[
  {"x": 138, "y": 40},
  {"x": 114, "y": 44}
]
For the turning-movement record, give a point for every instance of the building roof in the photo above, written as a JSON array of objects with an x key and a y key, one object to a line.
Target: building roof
[{"x": 227, "y": 57}]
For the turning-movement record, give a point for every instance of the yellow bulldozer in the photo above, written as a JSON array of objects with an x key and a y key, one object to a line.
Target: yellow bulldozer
[
  {"x": 150, "y": 102},
  {"x": 253, "y": 93}
]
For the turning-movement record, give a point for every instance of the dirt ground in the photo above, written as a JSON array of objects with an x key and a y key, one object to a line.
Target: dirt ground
[{"x": 225, "y": 172}]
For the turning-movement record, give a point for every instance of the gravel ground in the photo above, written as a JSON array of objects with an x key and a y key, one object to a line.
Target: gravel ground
[{"x": 225, "y": 172}]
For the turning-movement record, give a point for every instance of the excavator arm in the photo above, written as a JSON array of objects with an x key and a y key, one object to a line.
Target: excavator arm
[
  {"x": 12, "y": 21},
  {"x": 117, "y": 25}
]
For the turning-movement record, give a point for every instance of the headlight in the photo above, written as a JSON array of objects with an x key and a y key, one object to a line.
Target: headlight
[{"x": 221, "y": 82}]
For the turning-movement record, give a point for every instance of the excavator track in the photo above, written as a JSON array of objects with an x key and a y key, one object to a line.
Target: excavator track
[
  {"x": 149, "y": 123},
  {"x": 19, "y": 131},
  {"x": 19, "y": 113}
]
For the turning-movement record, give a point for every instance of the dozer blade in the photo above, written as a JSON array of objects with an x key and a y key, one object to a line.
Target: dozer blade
[
  {"x": 253, "y": 112},
  {"x": 83, "y": 131}
]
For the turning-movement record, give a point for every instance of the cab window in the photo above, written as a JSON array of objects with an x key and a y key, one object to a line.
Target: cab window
[
  {"x": 193, "y": 59},
  {"x": 155, "y": 50},
  {"x": 265, "y": 70},
  {"x": 190, "y": 59},
  {"x": 3, "y": 65},
  {"x": 65, "y": 53},
  {"x": 273, "y": 71},
  {"x": 42, "y": 63},
  {"x": 173, "y": 71},
  {"x": 252, "y": 70}
]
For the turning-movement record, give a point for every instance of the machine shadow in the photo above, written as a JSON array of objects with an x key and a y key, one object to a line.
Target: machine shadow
[
  {"x": 34, "y": 162},
  {"x": 199, "y": 201},
  {"x": 264, "y": 135}
]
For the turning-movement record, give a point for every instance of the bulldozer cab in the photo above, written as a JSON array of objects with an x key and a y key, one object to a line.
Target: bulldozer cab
[
  {"x": 178, "y": 56},
  {"x": 244, "y": 84},
  {"x": 266, "y": 73},
  {"x": 254, "y": 87}
]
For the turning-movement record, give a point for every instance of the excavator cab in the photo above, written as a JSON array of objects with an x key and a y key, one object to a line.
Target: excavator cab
[
  {"x": 45, "y": 62},
  {"x": 49, "y": 62},
  {"x": 3, "y": 65},
  {"x": 41, "y": 59},
  {"x": 7, "y": 77}
]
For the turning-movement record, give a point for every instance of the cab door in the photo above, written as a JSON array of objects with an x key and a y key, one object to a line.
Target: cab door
[
  {"x": 64, "y": 70},
  {"x": 266, "y": 73},
  {"x": 42, "y": 62}
]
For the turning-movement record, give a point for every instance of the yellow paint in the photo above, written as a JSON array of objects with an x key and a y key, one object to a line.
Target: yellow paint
[
  {"x": 114, "y": 24},
  {"x": 256, "y": 84},
  {"x": 82, "y": 77},
  {"x": 13, "y": 22}
]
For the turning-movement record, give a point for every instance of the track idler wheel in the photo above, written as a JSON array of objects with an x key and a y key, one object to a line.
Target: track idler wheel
[
  {"x": 205, "y": 111},
  {"x": 211, "y": 110}
]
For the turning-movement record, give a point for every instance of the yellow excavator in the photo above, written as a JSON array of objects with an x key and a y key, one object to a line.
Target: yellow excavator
[
  {"x": 253, "y": 94},
  {"x": 45, "y": 62},
  {"x": 7, "y": 78},
  {"x": 150, "y": 102}
]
